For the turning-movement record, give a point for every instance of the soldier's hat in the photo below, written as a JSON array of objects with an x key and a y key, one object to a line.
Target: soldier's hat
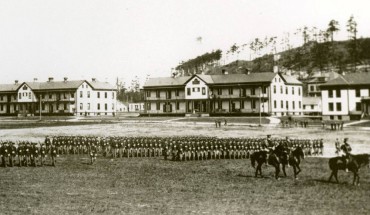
[
  {"x": 269, "y": 135},
  {"x": 345, "y": 139}
]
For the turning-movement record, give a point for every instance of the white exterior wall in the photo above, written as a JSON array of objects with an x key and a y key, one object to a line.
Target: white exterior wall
[
  {"x": 343, "y": 99},
  {"x": 27, "y": 95},
  {"x": 196, "y": 94},
  {"x": 289, "y": 97}
]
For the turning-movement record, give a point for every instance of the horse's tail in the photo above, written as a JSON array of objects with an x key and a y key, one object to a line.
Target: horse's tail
[{"x": 253, "y": 160}]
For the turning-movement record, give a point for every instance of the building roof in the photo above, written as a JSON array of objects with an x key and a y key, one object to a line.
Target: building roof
[
  {"x": 311, "y": 100},
  {"x": 349, "y": 80},
  {"x": 56, "y": 85},
  {"x": 9, "y": 87},
  {"x": 219, "y": 79}
]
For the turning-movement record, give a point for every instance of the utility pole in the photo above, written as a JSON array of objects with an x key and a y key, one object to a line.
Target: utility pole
[
  {"x": 260, "y": 105},
  {"x": 40, "y": 106}
]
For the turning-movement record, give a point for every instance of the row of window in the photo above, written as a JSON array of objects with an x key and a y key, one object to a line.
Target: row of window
[
  {"x": 97, "y": 95},
  {"x": 98, "y": 106},
  {"x": 338, "y": 93},
  {"x": 287, "y": 91},
  {"x": 287, "y": 104},
  {"x": 177, "y": 105},
  {"x": 25, "y": 94},
  {"x": 338, "y": 106}
]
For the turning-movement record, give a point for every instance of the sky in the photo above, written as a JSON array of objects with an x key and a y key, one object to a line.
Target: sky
[{"x": 84, "y": 39}]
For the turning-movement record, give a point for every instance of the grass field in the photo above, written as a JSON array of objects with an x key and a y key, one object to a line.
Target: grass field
[{"x": 156, "y": 186}]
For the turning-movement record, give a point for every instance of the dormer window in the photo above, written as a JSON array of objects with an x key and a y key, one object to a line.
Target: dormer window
[
  {"x": 196, "y": 81},
  {"x": 24, "y": 87}
]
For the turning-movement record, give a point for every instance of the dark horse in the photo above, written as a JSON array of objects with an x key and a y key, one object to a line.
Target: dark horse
[
  {"x": 355, "y": 162},
  {"x": 277, "y": 157},
  {"x": 261, "y": 158},
  {"x": 295, "y": 159}
]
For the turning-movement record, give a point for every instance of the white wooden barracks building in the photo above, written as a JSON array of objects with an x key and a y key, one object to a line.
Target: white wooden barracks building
[
  {"x": 239, "y": 94},
  {"x": 81, "y": 97}
]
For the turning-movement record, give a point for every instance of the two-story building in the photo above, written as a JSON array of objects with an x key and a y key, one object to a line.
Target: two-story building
[
  {"x": 268, "y": 93},
  {"x": 82, "y": 97},
  {"x": 346, "y": 97}
]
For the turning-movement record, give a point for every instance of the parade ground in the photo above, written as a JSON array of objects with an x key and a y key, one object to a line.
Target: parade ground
[{"x": 158, "y": 186}]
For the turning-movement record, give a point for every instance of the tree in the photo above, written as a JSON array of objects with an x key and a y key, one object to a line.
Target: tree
[
  {"x": 332, "y": 28},
  {"x": 352, "y": 34}
]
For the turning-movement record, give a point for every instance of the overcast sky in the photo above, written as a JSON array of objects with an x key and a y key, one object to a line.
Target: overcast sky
[{"x": 110, "y": 39}]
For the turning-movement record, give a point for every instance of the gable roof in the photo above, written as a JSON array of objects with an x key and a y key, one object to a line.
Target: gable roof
[
  {"x": 349, "y": 80},
  {"x": 54, "y": 85},
  {"x": 166, "y": 81},
  {"x": 98, "y": 85}
]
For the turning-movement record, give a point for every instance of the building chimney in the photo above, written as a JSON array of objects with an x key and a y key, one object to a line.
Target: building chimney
[
  {"x": 93, "y": 79},
  {"x": 65, "y": 79},
  {"x": 16, "y": 82},
  {"x": 35, "y": 79},
  {"x": 51, "y": 79}
]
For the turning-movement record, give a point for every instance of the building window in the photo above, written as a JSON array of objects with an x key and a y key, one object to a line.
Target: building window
[
  {"x": 286, "y": 90},
  {"x": 105, "y": 95},
  {"x": 292, "y": 90},
  {"x": 231, "y": 91},
  {"x": 219, "y": 91},
  {"x": 98, "y": 95},
  {"x": 274, "y": 103},
  {"x": 81, "y": 94},
  {"x": 281, "y": 104},
  {"x": 312, "y": 88},
  {"x": 50, "y": 96},
  {"x": 299, "y": 104},
  {"x": 149, "y": 106},
  {"x": 281, "y": 90},
  {"x": 304, "y": 107},
  {"x": 81, "y": 106},
  {"x": 106, "y": 106},
  {"x": 330, "y": 93},
  {"x": 88, "y": 106},
  {"x": 203, "y": 90},
  {"x": 241, "y": 104},
  {"x": 331, "y": 117},
  {"x": 338, "y": 93},
  {"x": 147, "y": 93},
  {"x": 29, "y": 95},
  {"x": 188, "y": 91},
  {"x": 177, "y": 105},
  {"x": 168, "y": 94},
  {"x": 158, "y": 106},
  {"x": 253, "y": 104},
  {"x": 72, "y": 95},
  {"x": 293, "y": 104},
  {"x": 331, "y": 106},
  {"x": 312, "y": 107},
  {"x": 274, "y": 89},
  {"x": 177, "y": 92},
  {"x": 358, "y": 93},
  {"x": 113, "y": 95},
  {"x": 20, "y": 95},
  {"x": 339, "y": 106},
  {"x": 358, "y": 106},
  {"x": 1, "y": 107},
  {"x": 253, "y": 91},
  {"x": 339, "y": 117},
  {"x": 65, "y": 107},
  {"x": 98, "y": 106},
  {"x": 287, "y": 105},
  {"x": 88, "y": 94},
  {"x": 299, "y": 91}
]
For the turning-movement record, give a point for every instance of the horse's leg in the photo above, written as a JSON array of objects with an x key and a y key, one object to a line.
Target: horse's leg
[
  {"x": 299, "y": 169},
  {"x": 256, "y": 171},
  {"x": 331, "y": 176},
  {"x": 277, "y": 171},
  {"x": 284, "y": 170},
  {"x": 336, "y": 175},
  {"x": 295, "y": 172}
]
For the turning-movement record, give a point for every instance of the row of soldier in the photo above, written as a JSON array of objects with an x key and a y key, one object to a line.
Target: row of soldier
[
  {"x": 175, "y": 148},
  {"x": 25, "y": 153}
]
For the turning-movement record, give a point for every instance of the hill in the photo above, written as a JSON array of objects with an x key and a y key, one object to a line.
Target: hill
[{"x": 339, "y": 56}]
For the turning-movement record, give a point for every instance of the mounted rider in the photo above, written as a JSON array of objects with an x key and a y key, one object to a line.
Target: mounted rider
[{"x": 346, "y": 148}]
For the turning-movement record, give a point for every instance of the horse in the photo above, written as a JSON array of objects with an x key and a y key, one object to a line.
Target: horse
[
  {"x": 261, "y": 158},
  {"x": 295, "y": 159},
  {"x": 354, "y": 164},
  {"x": 276, "y": 158}
]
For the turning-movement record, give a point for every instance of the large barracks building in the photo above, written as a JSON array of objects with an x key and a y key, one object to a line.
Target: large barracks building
[
  {"x": 82, "y": 97},
  {"x": 228, "y": 94}
]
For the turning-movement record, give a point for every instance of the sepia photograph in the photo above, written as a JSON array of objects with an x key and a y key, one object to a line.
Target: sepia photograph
[{"x": 184, "y": 107}]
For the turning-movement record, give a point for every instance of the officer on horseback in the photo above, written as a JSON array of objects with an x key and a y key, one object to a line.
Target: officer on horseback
[{"x": 346, "y": 148}]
